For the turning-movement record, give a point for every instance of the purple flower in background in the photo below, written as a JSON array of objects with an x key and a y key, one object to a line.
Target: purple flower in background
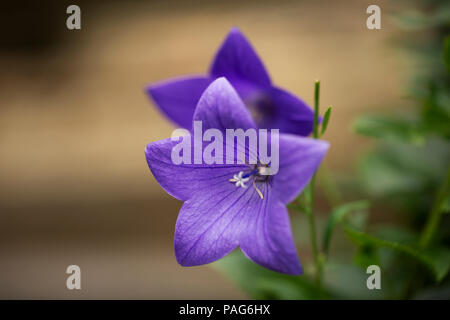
[
  {"x": 270, "y": 106},
  {"x": 231, "y": 205}
]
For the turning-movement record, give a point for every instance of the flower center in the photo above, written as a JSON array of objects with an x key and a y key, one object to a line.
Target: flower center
[
  {"x": 260, "y": 107},
  {"x": 260, "y": 173}
]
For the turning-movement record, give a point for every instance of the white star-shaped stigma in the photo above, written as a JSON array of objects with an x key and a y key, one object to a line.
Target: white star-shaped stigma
[{"x": 239, "y": 180}]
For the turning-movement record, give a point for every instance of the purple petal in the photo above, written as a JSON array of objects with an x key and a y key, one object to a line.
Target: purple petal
[
  {"x": 268, "y": 239},
  {"x": 299, "y": 158},
  {"x": 209, "y": 225},
  {"x": 290, "y": 114},
  {"x": 183, "y": 181},
  {"x": 177, "y": 98},
  {"x": 237, "y": 60},
  {"x": 220, "y": 107}
]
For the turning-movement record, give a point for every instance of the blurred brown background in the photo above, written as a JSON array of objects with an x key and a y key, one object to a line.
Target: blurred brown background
[{"x": 74, "y": 121}]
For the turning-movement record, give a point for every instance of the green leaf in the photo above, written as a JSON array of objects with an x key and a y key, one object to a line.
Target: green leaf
[
  {"x": 404, "y": 172},
  {"x": 338, "y": 215},
  {"x": 440, "y": 257},
  {"x": 389, "y": 128},
  {"x": 326, "y": 119},
  {"x": 399, "y": 234},
  {"x": 446, "y": 205},
  {"x": 261, "y": 283},
  {"x": 435, "y": 110},
  {"x": 437, "y": 261},
  {"x": 447, "y": 52},
  {"x": 366, "y": 255},
  {"x": 413, "y": 19}
]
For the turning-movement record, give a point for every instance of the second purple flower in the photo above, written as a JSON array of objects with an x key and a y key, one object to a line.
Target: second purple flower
[{"x": 270, "y": 106}]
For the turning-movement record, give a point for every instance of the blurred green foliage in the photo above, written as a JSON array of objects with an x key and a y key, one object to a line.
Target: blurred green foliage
[
  {"x": 408, "y": 171},
  {"x": 409, "y": 168}
]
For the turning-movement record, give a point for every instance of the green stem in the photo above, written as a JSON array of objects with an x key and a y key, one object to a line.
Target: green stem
[
  {"x": 316, "y": 109},
  {"x": 313, "y": 234},
  {"x": 311, "y": 211},
  {"x": 434, "y": 217}
]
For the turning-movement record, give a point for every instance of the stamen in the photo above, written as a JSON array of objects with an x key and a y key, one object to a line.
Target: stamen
[{"x": 257, "y": 190}]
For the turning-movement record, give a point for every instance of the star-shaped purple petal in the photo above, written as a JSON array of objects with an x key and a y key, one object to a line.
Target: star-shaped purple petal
[{"x": 217, "y": 216}]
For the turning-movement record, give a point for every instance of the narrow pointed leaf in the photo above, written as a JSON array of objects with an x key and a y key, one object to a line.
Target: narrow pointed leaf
[
  {"x": 338, "y": 215},
  {"x": 326, "y": 118},
  {"x": 437, "y": 261}
]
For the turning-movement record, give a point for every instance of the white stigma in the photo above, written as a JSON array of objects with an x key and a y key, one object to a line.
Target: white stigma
[{"x": 240, "y": 181}]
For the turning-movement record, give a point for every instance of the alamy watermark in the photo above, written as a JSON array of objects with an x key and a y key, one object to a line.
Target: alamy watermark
[
  {"x": 249, "y": 147},
  {"x": 374, "y": 280},
  {"x": 74, "y": 279},
  {"x": 73, "y": 22},
  {"x": 373, "y": 22}
]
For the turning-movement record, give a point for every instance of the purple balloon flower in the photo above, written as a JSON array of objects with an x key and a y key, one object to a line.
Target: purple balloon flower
[
  {"x": 231, "y": 205},
  {"x": 236, "y": 60}
]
